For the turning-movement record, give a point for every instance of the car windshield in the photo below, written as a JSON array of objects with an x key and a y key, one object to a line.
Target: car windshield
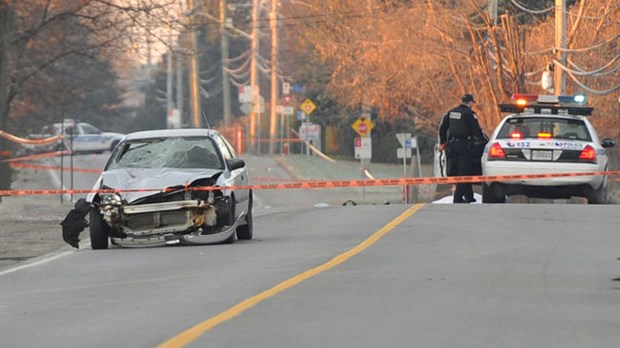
[
  {"x": 90, "y": 129},
  {"x": 178, "y": 152},
  {"x": 538, "y": 127}
]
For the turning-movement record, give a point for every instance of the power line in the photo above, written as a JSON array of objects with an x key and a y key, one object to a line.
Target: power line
[
  {"x": 573, "y": 50},
  {"x": 514, "y": 2},
  {"x": 582, "y": 85},
  {"x": 595, "y": 72}
]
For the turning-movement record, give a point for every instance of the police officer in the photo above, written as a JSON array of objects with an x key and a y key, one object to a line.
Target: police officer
[{"x": 458, "y": 130}]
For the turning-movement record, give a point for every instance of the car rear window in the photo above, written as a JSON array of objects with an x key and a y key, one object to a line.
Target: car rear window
[{"x": 538, "y": 127}]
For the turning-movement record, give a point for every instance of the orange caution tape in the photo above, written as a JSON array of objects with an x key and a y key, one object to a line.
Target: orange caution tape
[
  {"x": 279, "y": 179},
  {"x": 45, "y": 141},
  {"x": 318, "y": 184},
  {"x": 38, "y": 156},
  {"x": 291, "y": 140},
  {"x": 40, "y": 166}
]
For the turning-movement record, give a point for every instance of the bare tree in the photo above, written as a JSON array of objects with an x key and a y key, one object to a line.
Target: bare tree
[
  {"x": 418, "y": 58},
  {"x": 45, "y": 41}
]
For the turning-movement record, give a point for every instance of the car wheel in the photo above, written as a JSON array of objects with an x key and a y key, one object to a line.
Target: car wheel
[
  {"x": 598, "y": 196},
  {"x": 245, "y": 232},
  {"x": 489, "y": 194},
  {"x": 99, "y": 231}
]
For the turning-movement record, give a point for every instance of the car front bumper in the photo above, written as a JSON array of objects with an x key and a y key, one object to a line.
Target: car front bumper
[
  {"x": 194, "y": 238},
  {"x": 175, "y": 222}
]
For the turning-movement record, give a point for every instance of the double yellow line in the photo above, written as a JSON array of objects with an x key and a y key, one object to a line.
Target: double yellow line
[{"x": 194, "y": 332}]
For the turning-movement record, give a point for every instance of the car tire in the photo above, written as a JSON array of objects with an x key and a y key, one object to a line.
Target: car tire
[
  {"x": 489, "y": 194},
  {"x": 246, "y": 232},
  {"x": 598, "y": 196},
  {"x": 99, "y": 231}
]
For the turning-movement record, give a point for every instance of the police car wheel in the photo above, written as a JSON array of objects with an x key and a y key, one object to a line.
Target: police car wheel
[{"x": 598, "y": 196}]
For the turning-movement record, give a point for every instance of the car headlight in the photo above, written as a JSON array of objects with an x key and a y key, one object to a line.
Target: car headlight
[{"x": 113, "y": 199}]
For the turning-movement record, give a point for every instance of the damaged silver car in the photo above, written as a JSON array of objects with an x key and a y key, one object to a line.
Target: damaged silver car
[{"x": 160, "y": 187}]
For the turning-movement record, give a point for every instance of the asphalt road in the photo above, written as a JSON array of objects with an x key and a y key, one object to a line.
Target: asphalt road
[{"x": 319, "y": 274}]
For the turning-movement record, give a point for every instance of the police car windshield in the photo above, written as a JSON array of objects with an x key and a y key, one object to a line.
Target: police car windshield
[{"x": 540, "y": 127}]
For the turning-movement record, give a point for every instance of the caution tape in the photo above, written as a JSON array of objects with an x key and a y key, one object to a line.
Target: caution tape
[
  {"x": 323, "y": 184},
  {"x": 40, "y": 166},
  {"x": 290, "y": 140},
  {"x": 38, "y": 156},
  {"x": 280, "y": 179},
  {"x": 44, "y": 141}
]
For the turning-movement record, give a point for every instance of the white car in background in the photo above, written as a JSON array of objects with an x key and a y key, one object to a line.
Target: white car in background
[
  {"x": 79, "y": 137},
  {"x": 546, "y": 135}
]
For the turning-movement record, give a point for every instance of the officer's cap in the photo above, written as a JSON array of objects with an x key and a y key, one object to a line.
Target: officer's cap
[{"x": 468, "y": 98}]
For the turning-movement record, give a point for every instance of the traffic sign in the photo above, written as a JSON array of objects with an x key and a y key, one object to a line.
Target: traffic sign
[
  {"x": 363, "y": 126},
  {"x": 403, "y": 153},
  {"x": 288, "y": 110},
  {"x": 363, "y": 147},
  {"x": 411, "y": 143},
  {"x": 286, "y": 88},
  {"x": 307, "y": 106},
  {"x": 287, "y": 99},
  {"x": 309, "y": 131},
  {"x": 402, "y": 138},
  {"x": 245, "y": 94}
]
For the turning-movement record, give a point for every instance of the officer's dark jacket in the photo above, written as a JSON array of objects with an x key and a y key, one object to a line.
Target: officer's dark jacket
[{"x": 459, "y": 123}]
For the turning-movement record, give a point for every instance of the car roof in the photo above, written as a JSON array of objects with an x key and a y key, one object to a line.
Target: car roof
[{"x": 169, "y": 133}]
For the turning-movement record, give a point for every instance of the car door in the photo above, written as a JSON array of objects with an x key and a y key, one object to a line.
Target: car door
[{"x": 90, "y": 138}]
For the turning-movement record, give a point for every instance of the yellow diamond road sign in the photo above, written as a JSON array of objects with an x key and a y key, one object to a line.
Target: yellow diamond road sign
[
  {"x": 363, "y": 126},
  {"x": 307, "y": 106}
]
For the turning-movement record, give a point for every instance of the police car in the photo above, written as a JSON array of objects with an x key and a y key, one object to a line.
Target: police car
[
  {"x": 80, "y": 137},
  {"x": 546, "y": 134}
]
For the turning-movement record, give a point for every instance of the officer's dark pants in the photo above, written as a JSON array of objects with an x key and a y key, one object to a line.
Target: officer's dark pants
[{"x": 460, "y": 152}]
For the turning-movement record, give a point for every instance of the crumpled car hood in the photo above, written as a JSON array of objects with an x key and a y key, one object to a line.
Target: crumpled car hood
[{"x": 154, "y": 179}]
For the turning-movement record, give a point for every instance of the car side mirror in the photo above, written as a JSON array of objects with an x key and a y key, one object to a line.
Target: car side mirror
[
  {"x": 608, "y": 142},
  {"x": 235, "y": 163}
]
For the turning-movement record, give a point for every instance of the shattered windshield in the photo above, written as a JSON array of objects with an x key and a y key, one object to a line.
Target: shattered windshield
[{"x": 179, "y": 152}]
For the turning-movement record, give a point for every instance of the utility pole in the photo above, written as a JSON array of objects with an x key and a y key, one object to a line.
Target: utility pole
[
  {"x": 255, "y": 108},
  {"x": 6, "y": 29},
  {"x": 194, "y": 93},
  {"x": 273, "y": 119},
  {"x": 169, "y": 76},
  {"x": 493, "y": 12},
  {"x": 180, "y": 100},
  {"x": 560, "y": 45},
  {"x": 225, "y": 83}
]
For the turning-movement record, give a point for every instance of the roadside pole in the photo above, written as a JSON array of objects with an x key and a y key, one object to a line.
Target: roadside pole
[{"x": 6, "y": 24}]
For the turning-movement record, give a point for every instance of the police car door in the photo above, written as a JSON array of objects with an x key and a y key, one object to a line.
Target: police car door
[{"x": 89, "y": 138}]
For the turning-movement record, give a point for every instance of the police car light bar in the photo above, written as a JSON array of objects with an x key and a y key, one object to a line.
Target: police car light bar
[
  {"x": 546, "y": 109},
  {"x": 525, "y": 99}
]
